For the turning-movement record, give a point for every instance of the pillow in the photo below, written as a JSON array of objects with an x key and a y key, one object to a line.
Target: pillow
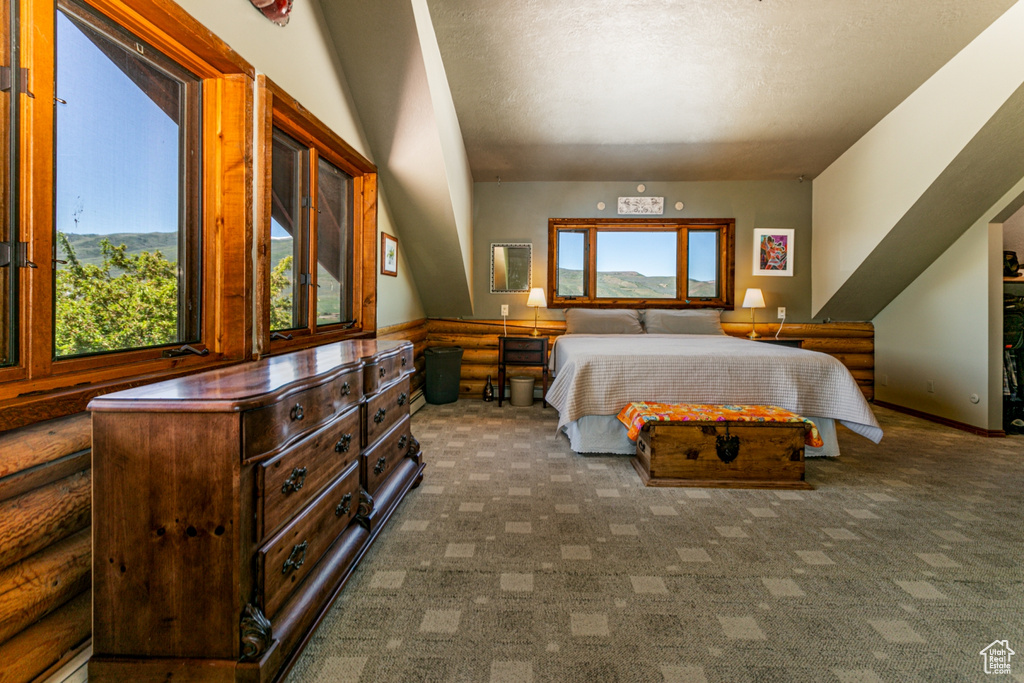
[
  {"x": 698, "y": 321},
  {"x": 602, "y": 321}
]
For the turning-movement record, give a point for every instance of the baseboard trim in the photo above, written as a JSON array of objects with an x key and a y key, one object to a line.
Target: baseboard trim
[{"x": 962, "y": 426}]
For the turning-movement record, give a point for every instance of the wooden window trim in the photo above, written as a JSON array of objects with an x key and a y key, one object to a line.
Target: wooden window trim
[
  {"x": 279, "y": 110},
  {"x": 226, "y": 215},
  {"x": 591, "y": 226}
]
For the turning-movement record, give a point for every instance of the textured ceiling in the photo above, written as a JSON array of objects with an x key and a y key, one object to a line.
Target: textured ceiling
[{"x": 686, "y": 89}]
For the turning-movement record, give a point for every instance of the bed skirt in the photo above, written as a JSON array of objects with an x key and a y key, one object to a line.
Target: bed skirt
[{"x": 605, "y": 434}]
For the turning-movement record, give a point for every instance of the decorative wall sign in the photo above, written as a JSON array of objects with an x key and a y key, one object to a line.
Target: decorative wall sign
[
  {"x": 388, "y": 255},
  {"x": 773, "y": 251},
  {"x": 641, "y": 206},
  {"x": 277, "y": 11}
]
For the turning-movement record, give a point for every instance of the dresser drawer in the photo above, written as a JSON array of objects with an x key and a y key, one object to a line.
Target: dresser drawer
[
  {"x": 526, "y": 357},
  {"x": 536, "y": 345},
  {"x": 287, "y": 558},
  {"x": 385, "y": 409},
  {"x": 269, "y": 428},
  {"x": 379, "y": 460},
  {"x": 387, "y": 369},
  {"x": 288, "y": 481}
]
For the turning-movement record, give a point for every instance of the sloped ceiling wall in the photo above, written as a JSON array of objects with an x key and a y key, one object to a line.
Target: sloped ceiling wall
[
  {"x": 907, "y": 190},
  {"x": 400, "y": 90}
]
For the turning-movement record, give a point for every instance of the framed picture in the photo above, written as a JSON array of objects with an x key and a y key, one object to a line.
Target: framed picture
[
  {"x": 773, "y": 251},
  {"x": 641, "y": 206},
  {"x": 388, "y": 255},
  {"x": 511, "y": 267}
]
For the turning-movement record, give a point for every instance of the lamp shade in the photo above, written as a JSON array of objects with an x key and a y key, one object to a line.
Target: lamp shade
[
  {"x": 753, "y": 298},
  {"x": 537, "y": 299}
]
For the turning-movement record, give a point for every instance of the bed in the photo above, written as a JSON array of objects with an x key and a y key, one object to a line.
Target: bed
[{"x": 597, "y": 374}]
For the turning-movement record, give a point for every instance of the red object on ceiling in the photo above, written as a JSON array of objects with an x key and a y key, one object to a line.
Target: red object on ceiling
[{"x": 275, "y": 10}]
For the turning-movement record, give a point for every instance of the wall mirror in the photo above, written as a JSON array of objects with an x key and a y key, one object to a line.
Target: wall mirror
[{"x": 510, "y": 267}]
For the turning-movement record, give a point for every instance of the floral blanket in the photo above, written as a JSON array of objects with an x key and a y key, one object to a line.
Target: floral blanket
[{"x": 636, "y": 415}]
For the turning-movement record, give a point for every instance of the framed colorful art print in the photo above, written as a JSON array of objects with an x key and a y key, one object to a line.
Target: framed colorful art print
[{"x": 773, "y": 251}]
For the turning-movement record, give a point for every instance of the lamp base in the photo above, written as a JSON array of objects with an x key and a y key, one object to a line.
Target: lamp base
[
  {"x": 535, "y": 333},
  {"x": 753, "y": 335}
]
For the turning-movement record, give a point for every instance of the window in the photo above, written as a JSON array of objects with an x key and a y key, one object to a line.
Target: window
[
  {"x": 640, "y": 263},
  {"x": 320, "y": 200},
  {"x": 8, "y": 241},
  {"x": 127, "y": 190},
  {"x": 126, "y": 228}
]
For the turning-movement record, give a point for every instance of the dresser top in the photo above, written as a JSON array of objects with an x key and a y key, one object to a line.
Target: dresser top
[{"x": 247, "y": 385}]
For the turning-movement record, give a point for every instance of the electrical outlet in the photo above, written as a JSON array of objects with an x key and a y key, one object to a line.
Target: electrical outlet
[
  {"x": 782, "y": 312},
  {"x": 931, "y": 386},
  {"x": 885, "y": 380},
  {"x": 504, "y": 309}
]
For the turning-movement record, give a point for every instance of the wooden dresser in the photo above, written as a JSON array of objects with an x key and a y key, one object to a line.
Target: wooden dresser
[{"x": 230, "y": 507}]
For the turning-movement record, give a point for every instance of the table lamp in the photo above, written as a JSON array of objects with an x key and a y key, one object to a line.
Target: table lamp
[
  {"x": 753, "y": 299},
  {"x": 537, "y": 300}
]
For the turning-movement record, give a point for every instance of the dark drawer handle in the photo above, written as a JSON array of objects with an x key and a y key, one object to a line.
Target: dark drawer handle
[
  {"x": 383, "y": 371},
  {"x": 381, "y": 464},
  {"x": 296, "y": 559},
  {"x": 346, "y": 389},
  {"x": 344, "y": 506},
  {"x": 343, "y": 443},
  {"x": 297, "y": 412},
  {"x": 404, "y": 361},
  {"x": 378, "y": 417},
  {"x": 402, "y": 441},
  {"x": 402, "y": 398},
  {"x": 643, "y": 446},
  {"x": 294, "y": 481}
]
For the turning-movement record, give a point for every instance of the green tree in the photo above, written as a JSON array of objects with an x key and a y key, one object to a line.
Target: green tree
[
  {"x": 281, "y": 295},
  {"x": 127, "y": 301}
]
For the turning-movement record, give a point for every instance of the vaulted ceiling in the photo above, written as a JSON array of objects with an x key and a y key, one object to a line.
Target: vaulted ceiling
[{"x": 685, "y": 89}]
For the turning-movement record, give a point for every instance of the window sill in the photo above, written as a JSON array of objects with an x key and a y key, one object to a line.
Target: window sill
[{"x": 25, "y": 403}]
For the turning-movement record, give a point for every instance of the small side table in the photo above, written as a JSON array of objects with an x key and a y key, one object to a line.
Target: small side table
[
  {"x": 522, "y": 352},
  {"x": 795, "y": 342}
]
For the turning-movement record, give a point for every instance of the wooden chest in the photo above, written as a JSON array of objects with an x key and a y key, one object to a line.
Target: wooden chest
[
  {"x": 231, "y": 506},
  {"x": 722, "y": 455}
]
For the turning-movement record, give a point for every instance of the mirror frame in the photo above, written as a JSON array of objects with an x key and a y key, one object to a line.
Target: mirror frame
[{"x": 529, "y": 276}]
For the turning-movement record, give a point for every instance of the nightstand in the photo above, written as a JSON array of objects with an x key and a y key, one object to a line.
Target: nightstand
[
  {"x": 784, "y": 341},
  {"x": 522, "y": 352}
]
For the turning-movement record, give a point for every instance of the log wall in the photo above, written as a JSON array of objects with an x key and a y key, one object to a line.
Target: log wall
[
  {"x": 853, "y": 344},
  {"x": 416, "y": 332},
  {"x": 45, "y": 546}
]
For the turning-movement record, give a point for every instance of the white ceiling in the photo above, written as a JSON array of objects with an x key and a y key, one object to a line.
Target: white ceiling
[{"x": 686, "y": 89}]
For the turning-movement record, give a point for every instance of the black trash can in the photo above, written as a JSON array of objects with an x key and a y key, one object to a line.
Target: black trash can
[{"x": 444, "y": 369}]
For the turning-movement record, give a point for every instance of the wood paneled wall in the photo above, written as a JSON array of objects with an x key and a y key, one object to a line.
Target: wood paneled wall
[
  {"x": 45, "y": 546},
  {"x": 853, "y": 344},
  {"x": 416, "y": 332}
]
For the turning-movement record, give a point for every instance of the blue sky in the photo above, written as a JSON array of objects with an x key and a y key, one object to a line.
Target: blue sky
[
  {"x": 652, "y": 254},
  {"x": 117, "y": 152}
]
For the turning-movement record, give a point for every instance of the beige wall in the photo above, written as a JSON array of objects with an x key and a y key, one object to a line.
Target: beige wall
[
  {"x": 866, "y": 192},
  {"x": 519, "y": 212},
  {"x": 937, "y": 331},
  {"x": 301, "y": 59},
  {"x": 946, "y": 327},
  {"x": 453, "y": 146}
]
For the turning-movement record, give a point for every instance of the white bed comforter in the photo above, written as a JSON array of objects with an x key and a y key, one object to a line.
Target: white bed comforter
[{"x": 600, "y": 374}]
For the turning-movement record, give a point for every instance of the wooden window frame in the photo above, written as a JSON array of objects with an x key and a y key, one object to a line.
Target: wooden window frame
[
  {"x": 40, "y": 386},
  {"x": 592, "y": 226},
  {"x": 283, "y": 112}
]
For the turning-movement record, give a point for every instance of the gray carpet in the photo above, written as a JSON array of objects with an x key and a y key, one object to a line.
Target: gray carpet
[{"x": 517, "y": 560}]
